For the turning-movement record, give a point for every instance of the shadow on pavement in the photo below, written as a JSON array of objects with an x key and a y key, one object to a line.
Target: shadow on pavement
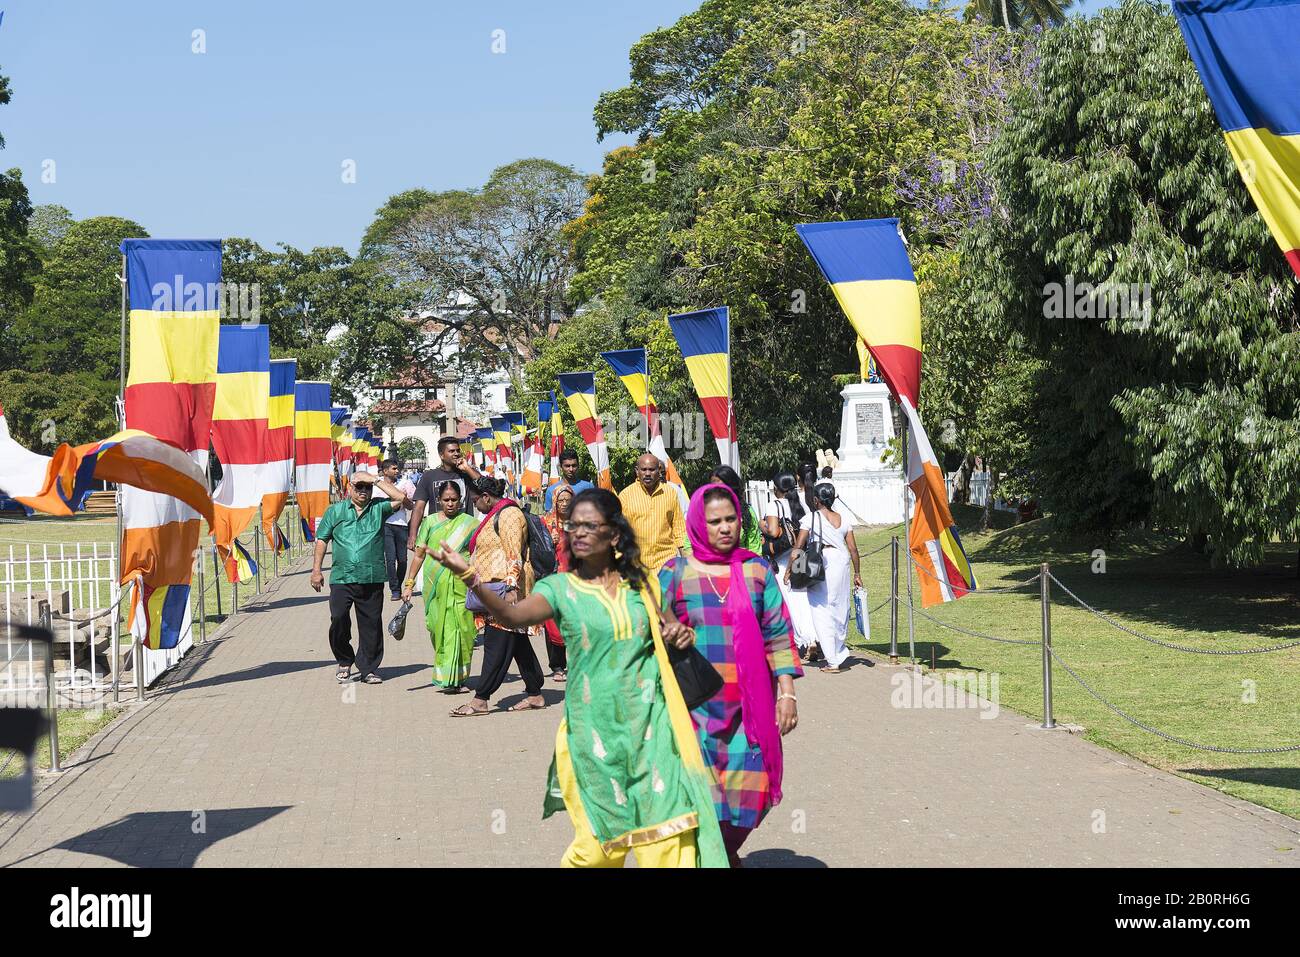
[
  {"x": 268, "y": 670},
  {"x": 166, "y": 838},
  {"x": 780, "y": 857}
]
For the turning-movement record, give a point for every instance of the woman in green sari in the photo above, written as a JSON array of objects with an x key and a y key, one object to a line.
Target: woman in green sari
[
  {"x": 451, "y": 626},
  {"x": 627, "y": 764}
]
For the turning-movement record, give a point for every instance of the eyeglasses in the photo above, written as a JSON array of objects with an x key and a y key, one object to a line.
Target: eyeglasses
[{"x": 589, "y": 527}]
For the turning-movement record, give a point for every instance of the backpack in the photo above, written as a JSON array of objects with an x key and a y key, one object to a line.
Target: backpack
[{"x": 538, "y": 546}]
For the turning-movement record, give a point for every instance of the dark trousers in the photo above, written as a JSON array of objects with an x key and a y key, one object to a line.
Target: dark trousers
[
  {"x": 499, "y": 649},
  {"x": 556, "y": 656},
  {"x": 395, "y": 555},
  {"x": 368, "y": 600}
]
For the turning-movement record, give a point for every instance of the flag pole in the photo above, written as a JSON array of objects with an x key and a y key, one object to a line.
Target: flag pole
[
  {"x": 120, "y": 415},
  {"x": 907, "y": 552},
  {"x": 732, "y": 452}
]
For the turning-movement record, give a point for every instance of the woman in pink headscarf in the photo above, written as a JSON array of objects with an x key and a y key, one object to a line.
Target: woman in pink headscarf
[{"x": 731, "y": 598}]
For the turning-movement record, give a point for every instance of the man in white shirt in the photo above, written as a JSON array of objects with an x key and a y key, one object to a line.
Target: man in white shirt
[{"x": 395, "y": 529}]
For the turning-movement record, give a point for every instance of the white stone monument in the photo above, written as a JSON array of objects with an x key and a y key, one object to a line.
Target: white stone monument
[{"x": 871, "y": 489}]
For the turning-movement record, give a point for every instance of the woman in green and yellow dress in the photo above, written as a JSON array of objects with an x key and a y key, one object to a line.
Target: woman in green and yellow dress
[
  {"x": 628, "y": 766},
  {"x": 451, "y": 626}
]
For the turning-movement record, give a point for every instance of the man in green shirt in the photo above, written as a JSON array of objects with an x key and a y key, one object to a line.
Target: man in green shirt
[{"x": 357, "y": 577}]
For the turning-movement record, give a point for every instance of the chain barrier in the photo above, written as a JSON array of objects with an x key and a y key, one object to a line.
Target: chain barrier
[
  {"x": 973, "y": 634},
  {"x": 1156, "y": 731},
  {"x": 880, "y": 606},
  {"x": 887, "y": 544},
  {"x": 99, "y": 614},
  {"x": 1166, "y": 644}
]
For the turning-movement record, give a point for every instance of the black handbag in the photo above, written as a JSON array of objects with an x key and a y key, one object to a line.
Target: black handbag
[
  {"x": 775, "y": 547},
  {"x": 698, "y": 680},
  {"x": 809, "y": 568}
]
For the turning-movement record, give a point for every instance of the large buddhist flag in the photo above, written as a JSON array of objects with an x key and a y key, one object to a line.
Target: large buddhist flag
[
  {"x": 173, "y": 287},
  {"x": 557, "y": 438},
  {"x": 54, "y": 484},
  {"x": 311, "y": 487},
  {"x": 705, "y": 340},
  {"x": 277, "y": 477},
  {"x": 579, "y": 389},
  {"x": 239, "y": 427},
  {"x": 867, "y": 267},
  {"x": 1248, "y": 55},
  {"x": 632, "y": 366},
  {"x": 338, "y": 425}
]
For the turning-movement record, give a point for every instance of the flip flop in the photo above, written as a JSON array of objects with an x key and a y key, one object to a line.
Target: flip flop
[
  {"x": 342, "y": 674},
  {"x": 471, "y": 713},
  {"x": 525, "y": 706}
]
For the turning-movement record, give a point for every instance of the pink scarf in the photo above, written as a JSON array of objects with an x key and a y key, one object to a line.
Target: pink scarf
[{"x": 757, "y": 693}]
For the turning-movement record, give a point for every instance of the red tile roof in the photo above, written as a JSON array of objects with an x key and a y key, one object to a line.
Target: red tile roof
[{"x": 407, "y": 407}]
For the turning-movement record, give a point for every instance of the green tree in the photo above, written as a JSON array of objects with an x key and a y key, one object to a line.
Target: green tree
[
  {"x": 48, "y": 224},
  {"x": 74, "y": 321},
  {"x": 1177, "y": 400},
  {"x": 1019, "y": 14}
]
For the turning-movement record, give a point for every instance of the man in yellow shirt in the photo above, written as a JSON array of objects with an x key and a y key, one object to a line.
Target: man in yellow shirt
[{"x": 652, "y": 509}]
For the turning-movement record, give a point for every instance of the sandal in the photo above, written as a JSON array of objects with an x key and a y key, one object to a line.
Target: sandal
[
  {"x": 525, "y": 706},
  {"x": 559, "y": 674},
  {"x": 343, "y": 674},
  {"x": 469, "y": 711},
  {"x": 828, "y": 670},
  {"x": 373, "y": 679}
]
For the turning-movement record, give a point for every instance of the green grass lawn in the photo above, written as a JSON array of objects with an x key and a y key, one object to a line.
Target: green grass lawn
[
  {"x": 42, "y": 530},
  {"x": 75, "y": 729},
  {"x": 1158, "y": 588}
]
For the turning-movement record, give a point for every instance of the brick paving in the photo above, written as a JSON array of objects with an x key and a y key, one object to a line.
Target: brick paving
[{"x": 251, "y": 754}]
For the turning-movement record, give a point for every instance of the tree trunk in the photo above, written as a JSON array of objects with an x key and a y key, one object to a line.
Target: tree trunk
[{"x": 1005, "y": 21}]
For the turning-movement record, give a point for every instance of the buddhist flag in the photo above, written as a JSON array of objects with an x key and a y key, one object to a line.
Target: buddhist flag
[
  {"x": 54, "y": 484},
  {"x": 705, "y": 340},
  {"x": 557, "y": 438},
  {"x": 534, "y": 460},
  {"x": 579, "y": 389},
  {"x": 346, "y": 453},
  {"x": 277, "y": 476},
  {"x": 867, "y": 267},
  {"x": 338, "y": 426},
  {"x": 239, "y": 435},
  {"x": 1248, "y": 55},
  {"x": 311, "y": 487},
  {"x": 632, "y": 366},
  {"x": 487, "y": 443},
  {"x": 173, "y": 288},
  {"x": 505, "y": 451}
]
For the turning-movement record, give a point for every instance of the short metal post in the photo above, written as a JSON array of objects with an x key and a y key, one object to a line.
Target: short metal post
[
  {"x": 275, "y": 550},
  {"x": 115, "y": 630},
  {"x": 911, "y": 619},
  {"x": 257, "y": 550},
  {"x": 203, "y": 602},
  {"x": 51, "y": 695},
  {"x": 216, "y": 580},
  {"x": 893, "y": 601},
  {"x": 1045, "y": 597}
]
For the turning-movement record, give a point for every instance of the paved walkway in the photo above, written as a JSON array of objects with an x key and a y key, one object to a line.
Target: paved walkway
[{"x": 252, "y": 755}]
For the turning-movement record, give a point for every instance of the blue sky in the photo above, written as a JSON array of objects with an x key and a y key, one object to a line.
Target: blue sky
[{"x": 249, "y": 138}]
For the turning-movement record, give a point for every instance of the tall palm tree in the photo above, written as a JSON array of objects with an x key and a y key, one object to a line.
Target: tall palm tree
[{"x": 1017, "y": 14}]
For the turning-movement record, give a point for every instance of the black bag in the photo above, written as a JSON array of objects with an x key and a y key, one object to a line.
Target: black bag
[
  {"x": 809, "y": 568},
  {"x": 774, "y": 548},
  {"x": 539, "y": 547},
  {"x": 698, "y": 680}
]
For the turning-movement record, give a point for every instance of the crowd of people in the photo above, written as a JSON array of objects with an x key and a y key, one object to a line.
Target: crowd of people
[{"x": 677, "y": 623}]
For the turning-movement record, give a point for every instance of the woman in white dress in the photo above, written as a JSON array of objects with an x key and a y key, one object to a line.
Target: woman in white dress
[
  {"x": 787, "y": 509},
  {"x": 830, "y": 600}
]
